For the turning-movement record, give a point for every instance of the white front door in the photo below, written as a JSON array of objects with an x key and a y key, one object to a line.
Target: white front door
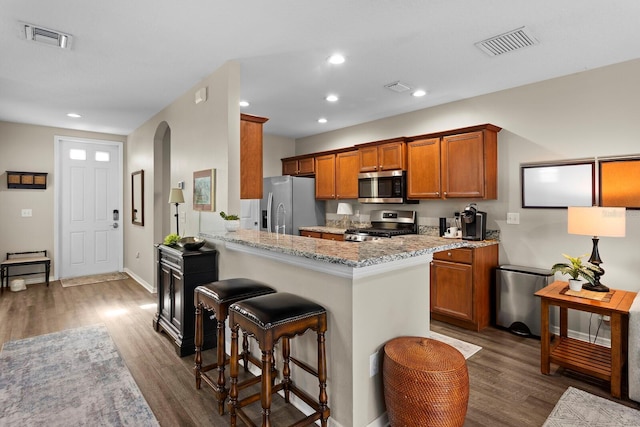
[{"x": 89, "y": 198}]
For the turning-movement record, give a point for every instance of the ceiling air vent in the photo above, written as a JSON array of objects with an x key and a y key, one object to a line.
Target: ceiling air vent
[
  {"x": 507, "y": 42},
  {"x": 47, "y": 36},
  {"x": 397, "y": 87}
]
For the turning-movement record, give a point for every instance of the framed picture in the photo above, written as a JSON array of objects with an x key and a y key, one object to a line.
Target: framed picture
[
  {"x": 558, "y": 185},
  {"x": 204, "y": 184}
]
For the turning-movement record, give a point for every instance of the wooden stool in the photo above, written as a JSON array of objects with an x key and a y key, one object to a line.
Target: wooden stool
[
  {"x": 217, "y": 297},
  {"x": 269, "y": 318},
  {"x": 425, "y": 383}
]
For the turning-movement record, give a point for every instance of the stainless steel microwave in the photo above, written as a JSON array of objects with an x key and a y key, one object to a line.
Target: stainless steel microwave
[{"x": 382, "y": 187}]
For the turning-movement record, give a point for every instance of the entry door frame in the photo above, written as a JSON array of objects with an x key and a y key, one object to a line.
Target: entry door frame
[{"x": 57, "y": 241}]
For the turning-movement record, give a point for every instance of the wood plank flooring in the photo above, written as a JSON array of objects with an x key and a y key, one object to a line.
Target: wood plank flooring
[{"x": 506, "y": 387}]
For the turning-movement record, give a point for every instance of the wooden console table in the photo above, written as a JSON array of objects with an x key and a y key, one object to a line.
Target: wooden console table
[{"x": 581, "y": 356}]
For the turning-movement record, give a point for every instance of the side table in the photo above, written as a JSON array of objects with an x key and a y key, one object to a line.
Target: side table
[{"x": 581, "y": 356}]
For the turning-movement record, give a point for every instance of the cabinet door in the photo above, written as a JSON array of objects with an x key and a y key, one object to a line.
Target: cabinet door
[
  {"x": 347, "y": 175},
  {"x": 368, "y": 159},
  {"x": 314, "y": 234},
  {"x": 423, "y": 169},
  {"x": 452, "y": 289},
  {"x": 326, "y": 177},
  {"x": 468, "y": 167},
  {"x": 177, "y": 309},
  {"x": 333, "y": 236},
  {"x": 251, "y": 156},
  {"x": 392, "y": 156},
  {"x": 164, "y": 291},
  {"x": 306, "y": 166},
  {"x": 289, "y": 167}
]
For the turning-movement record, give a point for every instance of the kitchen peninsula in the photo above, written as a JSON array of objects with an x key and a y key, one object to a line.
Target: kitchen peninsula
[{"x": 373, "y": 291}]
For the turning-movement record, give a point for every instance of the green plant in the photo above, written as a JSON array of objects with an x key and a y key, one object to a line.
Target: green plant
[
  {"x": 171, "y": 239},
  {"x": 229, "y": 217},
  {"x": 576, "y": 268}
]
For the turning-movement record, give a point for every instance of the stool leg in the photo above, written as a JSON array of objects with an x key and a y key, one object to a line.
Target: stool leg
[
  {"x": 233, "y": 368},
  {"x": 286, "y": 369},
  {"x": 198, "y": 342},
  {"x": 245, "y": 351},
  {"x": 267, "y": 384},
  {"x": 322, "y": 379},
  {"x": 221, "y": 391}
]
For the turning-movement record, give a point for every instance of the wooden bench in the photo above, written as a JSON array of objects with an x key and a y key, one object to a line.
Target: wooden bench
[{"x": 22, "y": 259}]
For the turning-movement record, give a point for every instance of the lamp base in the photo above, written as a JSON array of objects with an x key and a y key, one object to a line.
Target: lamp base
[{"x": 595, "y": 288}]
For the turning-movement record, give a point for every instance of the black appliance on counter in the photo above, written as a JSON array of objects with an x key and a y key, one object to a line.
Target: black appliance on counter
[
  {"x": 474, "y": 223},
  {"x": 384, "y": 224}
]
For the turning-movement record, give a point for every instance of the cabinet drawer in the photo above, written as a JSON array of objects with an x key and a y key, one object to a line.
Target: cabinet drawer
[{"x": 463, "y": 255}]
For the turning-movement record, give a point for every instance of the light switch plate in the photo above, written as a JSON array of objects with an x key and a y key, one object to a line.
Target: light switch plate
[
  {"x": 27, "y": 212},
  {"x": 513, "y": 218}
]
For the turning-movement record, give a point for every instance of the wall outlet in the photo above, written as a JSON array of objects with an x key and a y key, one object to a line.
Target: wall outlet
[
  {"x": 27, "y": 212},
  {"x": 513, "y": 218},
  {"x": 373, "y": 364}
]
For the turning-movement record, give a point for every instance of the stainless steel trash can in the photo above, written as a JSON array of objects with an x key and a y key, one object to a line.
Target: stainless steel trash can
[{"x": 517, "y": 308}]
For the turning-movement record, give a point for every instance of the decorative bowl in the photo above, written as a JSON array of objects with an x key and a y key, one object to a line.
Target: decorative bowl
[{"x": 191, "y": 243}]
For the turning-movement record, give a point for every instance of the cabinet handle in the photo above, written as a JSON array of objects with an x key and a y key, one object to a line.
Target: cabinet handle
[
  {"x": 449, "y": 254},
  {"x": 445, "y": 194},
  {"x": 438, "y": 193}
]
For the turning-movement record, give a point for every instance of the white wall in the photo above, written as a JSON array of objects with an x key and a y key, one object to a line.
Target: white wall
[{"x": 590, "y": 114}]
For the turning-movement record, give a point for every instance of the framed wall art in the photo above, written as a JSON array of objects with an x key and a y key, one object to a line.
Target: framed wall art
[
  {"x": 204, "y": 184},
  {"x": 558, "y": 185}
]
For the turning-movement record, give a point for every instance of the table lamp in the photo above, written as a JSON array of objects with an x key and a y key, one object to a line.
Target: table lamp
[
  {"x": 345, "y": 210},
  {"x": 176, "y": 197},
  {"x": 597, "y": 222}
]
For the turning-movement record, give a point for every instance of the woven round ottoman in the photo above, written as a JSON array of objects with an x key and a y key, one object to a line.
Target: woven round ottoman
[{"x": 426, "y": 383}]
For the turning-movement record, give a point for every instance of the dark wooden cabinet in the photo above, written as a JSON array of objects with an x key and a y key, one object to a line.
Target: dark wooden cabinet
[
  {"x": 251, "y": 156},
  {"x": 461, "y": 286},
  {"x": 179, "y": 272}
]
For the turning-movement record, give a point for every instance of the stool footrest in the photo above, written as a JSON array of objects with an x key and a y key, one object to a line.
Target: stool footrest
[{"x": 304, "y": 366}]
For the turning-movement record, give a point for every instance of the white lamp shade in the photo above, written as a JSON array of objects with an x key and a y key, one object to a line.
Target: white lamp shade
[
  {"x": 176, "y": 196},
  {"x": 345, "y": 209},
  {"x": 596, "y": 221}
]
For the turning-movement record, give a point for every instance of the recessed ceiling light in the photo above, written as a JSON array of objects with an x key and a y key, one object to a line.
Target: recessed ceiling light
[
  {"x": 419, "y": 93},
  {"x": 322, "y": 120},
  {"x": 336, "y": 59},
  {"x": 332, "y": 98},
  {"x": 244, "y": 103},
  {"x": 74, "y": 115}
]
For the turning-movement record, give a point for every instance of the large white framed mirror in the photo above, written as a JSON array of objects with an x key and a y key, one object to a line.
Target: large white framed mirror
[{"x": 137, "y": 197}]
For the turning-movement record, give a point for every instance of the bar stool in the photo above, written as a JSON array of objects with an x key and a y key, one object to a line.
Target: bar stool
[
  {"x": 217, "y": 297},
  {"x": 269, "y": 318}
]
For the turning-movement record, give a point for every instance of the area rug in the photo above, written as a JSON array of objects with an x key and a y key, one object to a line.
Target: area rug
[
  {"x": 96, "y": 278},
  {"x": 69, "y": 378},
  {"x": 466, "y": 348},
  {"x": 579, "y": 408}
]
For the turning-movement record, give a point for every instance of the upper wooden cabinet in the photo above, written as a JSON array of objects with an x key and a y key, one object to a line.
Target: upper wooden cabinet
[
  {"x": 383, "y": 155},
  {"x": 299, "y": 166},
  {"x": 458, "y": 164},
  {"x": 326, "y": 176},
  {"x": 251, "y": 156},
  {"x": 347, "y": 169}
]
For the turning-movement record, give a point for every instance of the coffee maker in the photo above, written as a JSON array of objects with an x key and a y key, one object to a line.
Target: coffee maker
[{"x": 474, "y": 223}]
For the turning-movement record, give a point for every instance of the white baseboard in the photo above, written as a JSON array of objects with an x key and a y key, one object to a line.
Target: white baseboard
[{"x": 151, "y": 288}]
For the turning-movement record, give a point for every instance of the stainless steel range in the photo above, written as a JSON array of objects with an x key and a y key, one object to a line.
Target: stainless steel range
[{"x": 384, "y": 224}]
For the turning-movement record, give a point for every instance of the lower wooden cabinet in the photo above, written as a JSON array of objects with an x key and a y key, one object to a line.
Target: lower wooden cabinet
[
  {"x": 461, "y": 286},
  {"x": 319, "y": 235},
  {"x": 179, "y": 272}
]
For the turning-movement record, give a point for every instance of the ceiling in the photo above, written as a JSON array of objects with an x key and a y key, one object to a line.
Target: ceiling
[{"x": 130, "y": 59}]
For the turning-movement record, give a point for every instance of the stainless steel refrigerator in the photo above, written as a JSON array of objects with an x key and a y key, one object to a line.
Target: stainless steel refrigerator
[{"x": 289, "y": 202}]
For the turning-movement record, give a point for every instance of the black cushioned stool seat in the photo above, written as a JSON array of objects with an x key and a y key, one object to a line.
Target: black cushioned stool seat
[
  {"x": 217, "y": 297},
  {"x": 270, "y": 318}
]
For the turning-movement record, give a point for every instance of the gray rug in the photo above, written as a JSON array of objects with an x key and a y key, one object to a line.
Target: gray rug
[
  {"x": 69, "y": 378},
  {"x": 579, "y": 408},
  {"x": 466, "y": 348}
]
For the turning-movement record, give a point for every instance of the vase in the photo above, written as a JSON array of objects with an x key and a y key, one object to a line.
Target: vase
[
  {"x": 575, "y": 285},
  {"x": 232, "y": 225}
]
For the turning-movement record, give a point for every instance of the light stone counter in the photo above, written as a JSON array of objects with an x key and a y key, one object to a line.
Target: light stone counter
[{"x": 373, "y": 292}]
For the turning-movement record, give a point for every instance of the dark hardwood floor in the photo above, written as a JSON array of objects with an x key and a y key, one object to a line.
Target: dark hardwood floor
[{"x": 506, "y": 386}]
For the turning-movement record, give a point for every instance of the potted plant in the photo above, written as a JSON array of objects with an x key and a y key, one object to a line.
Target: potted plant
[
  {"x": 576, "y": 269},
  {"x": 231, "y": 222}
]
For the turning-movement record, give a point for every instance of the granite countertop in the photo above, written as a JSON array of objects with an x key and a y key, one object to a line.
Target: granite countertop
[{"x": 352, "y": 254}]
